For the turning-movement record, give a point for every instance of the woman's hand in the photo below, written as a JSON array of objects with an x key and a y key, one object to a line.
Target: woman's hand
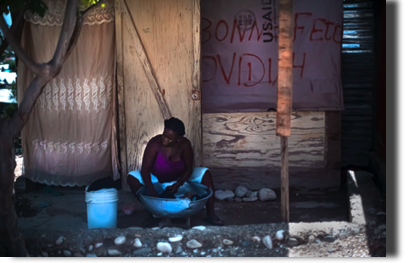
[
  {"x": 174, "y": 188},
  {"x": 152, "y": 192}
]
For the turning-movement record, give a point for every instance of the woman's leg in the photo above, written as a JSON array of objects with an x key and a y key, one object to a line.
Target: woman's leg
[
  {"x": 134, "y": 184},
  {"x": 211, "y": 216}
]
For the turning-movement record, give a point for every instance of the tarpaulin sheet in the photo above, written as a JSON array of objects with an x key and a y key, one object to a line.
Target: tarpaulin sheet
[{"x": 239, "y": 59}]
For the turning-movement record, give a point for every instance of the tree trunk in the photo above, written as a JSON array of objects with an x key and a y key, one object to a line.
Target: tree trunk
[{"x": 12, "y": 242}]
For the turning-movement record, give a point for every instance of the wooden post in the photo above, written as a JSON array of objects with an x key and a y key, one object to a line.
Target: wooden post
[{"x": 284, "y": 96}]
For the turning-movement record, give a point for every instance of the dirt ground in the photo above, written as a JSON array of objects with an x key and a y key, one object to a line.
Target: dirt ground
[{"x": 49, "y": 211}]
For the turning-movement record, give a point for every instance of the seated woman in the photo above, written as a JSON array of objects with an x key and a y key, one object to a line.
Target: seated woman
[{"x": 169, "y": 157}]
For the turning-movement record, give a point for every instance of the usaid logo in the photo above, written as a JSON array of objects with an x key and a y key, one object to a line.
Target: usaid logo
[{"x": 245, "y": 19}]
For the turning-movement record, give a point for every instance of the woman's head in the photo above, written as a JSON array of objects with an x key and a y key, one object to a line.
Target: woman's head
[{"x": 174, "y": 129}]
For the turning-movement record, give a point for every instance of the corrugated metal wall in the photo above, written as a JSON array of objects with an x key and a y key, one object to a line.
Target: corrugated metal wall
[{"x": 358, "y": 82}]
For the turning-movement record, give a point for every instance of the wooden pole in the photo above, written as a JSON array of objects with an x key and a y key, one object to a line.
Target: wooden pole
[{"x": 284, "y": 96}]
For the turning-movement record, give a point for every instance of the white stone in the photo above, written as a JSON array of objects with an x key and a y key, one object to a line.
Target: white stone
[
  {"x": 193, "y": 244},
  {"x": 67, "y": 253},
  {"x": 120, "y": 240},
  {"x": 91, "y": 255},
  {"x": 98, "y": 245},
  {"x": 155, "y": 228},
  {"x": 266, "y": 194},
  {"x": 44, "y": 253},
  {"x": 175, "y": 238},
  {"x": 267, "y": 241},
  {"x": 221, "y": 195},
  {"x": 164, "y": 247},
  {"x": 179, "y": 250},
  {"x": 202, "y": 228},
  {"x": 250, "y": 199},
  {"x": 279, "y": 235},
  {"x": 159, "y": 254},
  {"x": 311, "y": 239},
  {"x": 59, "y": 240},
  {"x": 91, "y": 247},
  {"x": 227, "y": 242},
  {"x": 240, "y": 191},
  {"x": 137, "y": 243},
  {"x": 114, "y": 252},
  {"x": 253, "y": 194},
  {"x": 195, "y": 250},
  {"x": 256, "y": 239},
  {"x": 203, "y": 253},
  {"x": 214, "y": 250}
]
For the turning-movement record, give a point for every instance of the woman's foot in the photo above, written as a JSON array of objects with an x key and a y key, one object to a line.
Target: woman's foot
[{"x": 214, "y": 220}]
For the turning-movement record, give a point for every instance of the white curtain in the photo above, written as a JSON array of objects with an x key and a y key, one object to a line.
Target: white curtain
[{"x": 70, "y": 139}]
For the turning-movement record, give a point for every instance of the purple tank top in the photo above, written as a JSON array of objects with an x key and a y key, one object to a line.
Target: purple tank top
[{"x": 167, "y": 171}]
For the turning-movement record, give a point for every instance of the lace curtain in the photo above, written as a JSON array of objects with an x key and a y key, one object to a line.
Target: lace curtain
[{"x": 70, "y": 138}]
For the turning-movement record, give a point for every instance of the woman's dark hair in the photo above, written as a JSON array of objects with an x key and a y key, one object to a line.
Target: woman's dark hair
[{"x": 175, "y": 125}]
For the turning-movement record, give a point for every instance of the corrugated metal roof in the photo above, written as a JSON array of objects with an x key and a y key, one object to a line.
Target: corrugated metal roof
[{"x": 358, "y": 75}]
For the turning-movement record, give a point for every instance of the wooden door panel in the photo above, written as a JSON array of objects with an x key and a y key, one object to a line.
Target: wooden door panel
[{"x": 164, "y": 77}]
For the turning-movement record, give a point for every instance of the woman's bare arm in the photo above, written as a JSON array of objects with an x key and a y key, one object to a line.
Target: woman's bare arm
[{"x": 149, "y": 157}]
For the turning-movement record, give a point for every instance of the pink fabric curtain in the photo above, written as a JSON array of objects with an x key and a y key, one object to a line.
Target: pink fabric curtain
[{"x": 70, "y": 139}]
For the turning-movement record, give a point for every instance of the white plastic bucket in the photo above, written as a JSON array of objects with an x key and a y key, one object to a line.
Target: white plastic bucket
[{"x": 101, "y": 208}]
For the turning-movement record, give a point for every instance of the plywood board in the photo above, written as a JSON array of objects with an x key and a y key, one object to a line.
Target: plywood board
[
  {"x": 249, "y": 140},
  {"x": 166, "y": 31}
]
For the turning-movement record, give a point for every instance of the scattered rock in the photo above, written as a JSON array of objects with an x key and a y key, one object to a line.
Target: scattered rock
[
  {"x": 137, "y": 242},
  {"x": 214, "y": 250},
  {"x": 97, "y": 245},
  {"x": 193, "y": 244},
  {"x": 253, "y": 194},
  {"x": 90, "y": 248},
  {"x": 227, "y": 242},
  {"x": 91, "y": 255},
  {"x": 250, "y": 199},
  {"x": 67, "y": 253},
  {"x": 202, "y": 228},
  {"x": 311, "y": 239},
  {"x": 266, "y": 194},
  {"x": 230, "y": 199},
  {"x": 142, "y": 251},
  {"x": 246, "y": 243},
  {"x": 178, "y": 250},
  {"x": 292, "y": 241},
  {"x": 120, "y": 240},
  {"x": 329, "y": 238},
  {"x": 78, "y": 255},
  {"x": 44, "y": 254},
  {"x": 175, "y": 238},
  {"x": 256, "y": 239},
  {"x": 203, "y": 253},
  {"x": 240, "y": 191},
  {"x": 267, "y": 241},
  {"x": 221, "y": 195},
  {"x": 382, "y": 227},
  {"x": 135, "y": 228},
  {"x": 155, "y": 228},
  {"x": 317, "y": 241},
  {"x": 279, "y": 235},
  {"x": 159, "y": 254},
  {"x": 238, "y": 199},
  {"x": 164, "y": 247},
  {"x": 59, "y": 240},
  {"x": 113, "y": 252},
  {"x": 195, "y": 250}
]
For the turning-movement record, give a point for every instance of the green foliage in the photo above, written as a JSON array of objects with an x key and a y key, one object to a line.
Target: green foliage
[
  {"x": 35, "y": 6},
  {"x": 12, "y": 65}
]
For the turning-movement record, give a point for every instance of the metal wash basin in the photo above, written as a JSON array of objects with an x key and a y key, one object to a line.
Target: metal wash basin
[{"x": 175, "y": 208}]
